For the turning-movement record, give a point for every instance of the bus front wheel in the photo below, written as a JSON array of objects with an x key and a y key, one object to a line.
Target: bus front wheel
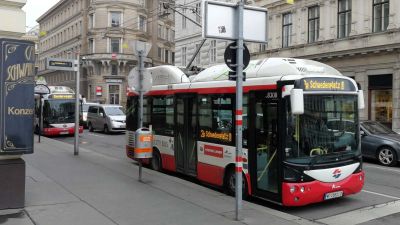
[{"x": 230, "y": 183}]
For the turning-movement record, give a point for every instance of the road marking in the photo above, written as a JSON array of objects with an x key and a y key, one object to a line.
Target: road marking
[
  {"x": 383, "y": 195},
  {"x": 363, "y": 215},
  {"x": 382, "y": 168},
  {"x": 102, "y": 136}
]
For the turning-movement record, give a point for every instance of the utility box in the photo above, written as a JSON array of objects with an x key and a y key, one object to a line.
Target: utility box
[{"x": 143, "y": 143}]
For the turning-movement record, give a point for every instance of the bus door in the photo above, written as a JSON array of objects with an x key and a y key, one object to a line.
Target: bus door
[
  {"x": 263, "y": 144},
  {"x": 186, "y": 134}
]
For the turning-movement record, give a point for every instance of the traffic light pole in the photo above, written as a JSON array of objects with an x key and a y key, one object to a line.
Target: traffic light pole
[{"x": 239, "y": 110}]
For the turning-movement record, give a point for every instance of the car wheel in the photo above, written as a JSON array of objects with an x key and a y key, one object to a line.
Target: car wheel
[
  {"x": 230, "y": 183},
  {"x": 106, "y": 130},
  {"x": 156, "y": 161},
  {"x": 90, "y": 127},
  {"x": 387, "y": 156}
]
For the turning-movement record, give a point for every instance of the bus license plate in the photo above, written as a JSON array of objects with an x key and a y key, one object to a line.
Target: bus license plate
[
  {"x": 336, "y": 194},
  {"x": 64, "y": 132}
]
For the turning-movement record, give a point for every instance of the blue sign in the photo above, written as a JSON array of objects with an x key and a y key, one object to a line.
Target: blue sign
[{"x": 17, "y": 96}]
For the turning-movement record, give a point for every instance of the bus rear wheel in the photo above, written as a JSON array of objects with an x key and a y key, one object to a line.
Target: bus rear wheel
[
  {"x": 155, "y": 163},
  {"x": 230, "y": 183}
]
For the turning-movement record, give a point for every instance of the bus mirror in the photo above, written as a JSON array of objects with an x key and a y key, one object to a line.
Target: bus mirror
[
  {"x": 297, "y": 101},
  {"x": 361, "y": 104}
]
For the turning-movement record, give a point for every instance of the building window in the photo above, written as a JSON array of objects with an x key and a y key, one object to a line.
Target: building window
[
  {"x": 113, "y": 92},
  {"x": 142, "y": 23},
  {"x": 115, "y": 19},
  {"x": 166, "y": 56},
  {"x": 380, "y": 88},
  {"x": 381, "y": 15},
  {"x": 114, "y": 69},
  {"x": 160, "y": 31},
  {"x": 287, "y": 30},
  {"x": 166, "y": 34},
  {"x": 213, "y": 51},
  {"x": 183, "y": 19},
  {"x": 262, "y": 47},
  {"x": 183, "y": 53},
  {"x": 91, "y": 21},
  {"x": 172, "y": 58},
  {"x": 172, "y": 35},
  {"x": 115, "y": 43},
  {"x": 344, "y": 18},
  {"x": 160, "y": 50},
  {"x": 91, "y": 46},
  {"x": 198, "y": 56},
  {"x": 198, "y": 12},
  {"x": 313, "y": 24}
]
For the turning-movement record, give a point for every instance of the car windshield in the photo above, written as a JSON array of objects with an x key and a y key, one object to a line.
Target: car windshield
[
  {"x": 328, "y": 127},
  {"x": 376, "y": 128},
  {"x": 114, "y": 111},
  {"x": 59, "y": 111}
]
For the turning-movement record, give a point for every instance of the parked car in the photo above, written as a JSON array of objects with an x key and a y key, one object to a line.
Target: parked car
[
  {"x": 380, "y": 142},
  {"x": 85, "y": 108},
  {"x": 108, "y": 118}
]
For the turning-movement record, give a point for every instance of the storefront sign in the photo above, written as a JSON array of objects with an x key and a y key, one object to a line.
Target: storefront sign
[
  {"x": 113, "y": 81},
  {"x": 17, "y": 96},
  {"x": 325, "y": 84},
  {"x": 99, "y": 90}
]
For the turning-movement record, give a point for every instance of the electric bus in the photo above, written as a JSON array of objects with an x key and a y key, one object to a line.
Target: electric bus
[
  {"x": 292, "y": 154},
  {"x": 58, "y": 112}
]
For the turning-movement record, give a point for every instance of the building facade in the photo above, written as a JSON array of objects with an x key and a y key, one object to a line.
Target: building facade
[
  {"x": 188, "y": 37},
  {"x": 12, "y": 18},
  {"x": 104, "y": 33},
  {"x": 360, "y": 38}
]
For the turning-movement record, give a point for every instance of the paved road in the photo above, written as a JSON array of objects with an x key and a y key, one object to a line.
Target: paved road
[{"x": 381, "y": 190}]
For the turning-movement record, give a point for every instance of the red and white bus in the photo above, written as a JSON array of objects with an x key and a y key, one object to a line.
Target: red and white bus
[
  {"x": 58, "y": 112},
  {"x": 300, "y": 129}
]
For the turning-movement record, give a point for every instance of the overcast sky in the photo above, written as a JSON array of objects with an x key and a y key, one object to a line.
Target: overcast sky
[{"x": 34, "y": 9}]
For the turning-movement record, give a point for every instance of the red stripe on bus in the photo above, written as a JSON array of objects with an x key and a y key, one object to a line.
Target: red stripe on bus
[
  {"x": 210, "y": 173},
  {"x": 168, "y": 162},
  {"x": 211, "y": 90}
]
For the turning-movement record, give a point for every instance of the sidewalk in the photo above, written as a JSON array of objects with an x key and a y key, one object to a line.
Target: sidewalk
[{"x": 63, "y": 189}]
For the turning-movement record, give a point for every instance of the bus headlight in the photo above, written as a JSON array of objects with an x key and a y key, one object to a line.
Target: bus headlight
[
  {"x": 302, "y": 189},
  {"x": 292, "y": 189}
]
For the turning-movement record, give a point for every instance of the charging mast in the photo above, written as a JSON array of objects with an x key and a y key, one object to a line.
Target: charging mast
[{"x": 235, "y": 22}]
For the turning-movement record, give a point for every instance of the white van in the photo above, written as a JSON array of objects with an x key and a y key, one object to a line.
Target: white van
[{"x": 108, "y": 118}]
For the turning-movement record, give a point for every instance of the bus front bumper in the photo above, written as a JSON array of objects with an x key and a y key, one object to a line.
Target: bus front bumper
[
  {"x": 54, "y": 131},
  {"x": 300, "y": 194}
]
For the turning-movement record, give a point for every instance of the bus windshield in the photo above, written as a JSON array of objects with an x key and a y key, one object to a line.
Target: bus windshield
[
  {"x": 328, "y": 127},
  {"x": 59, "y": 111}
]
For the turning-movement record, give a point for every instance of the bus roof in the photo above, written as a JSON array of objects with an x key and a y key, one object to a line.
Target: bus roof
[{"x": 269, "y": 67}]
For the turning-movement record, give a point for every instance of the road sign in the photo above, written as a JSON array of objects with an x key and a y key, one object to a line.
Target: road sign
[
  {"x": 134, "y": 80},
  {"x": 62, "y": 64},
  {"x": 230, "y": 56},
  {"x": 42, "y": 89},
  {"x": 220, "y": 21}
]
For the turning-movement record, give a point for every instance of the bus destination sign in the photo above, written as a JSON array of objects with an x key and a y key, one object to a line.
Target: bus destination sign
[
  {"x": 325, "y": 84},
  {"x": 61, "y": 64},
  {"x": 17, "y": 96}
]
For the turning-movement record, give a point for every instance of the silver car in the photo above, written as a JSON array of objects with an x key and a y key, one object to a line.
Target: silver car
[{"x": 108, "y": 118}]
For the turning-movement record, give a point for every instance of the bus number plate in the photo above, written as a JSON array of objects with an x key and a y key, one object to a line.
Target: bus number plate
[
  {"x": 336, "y": 194},
  {"x": 64, "y": 132}
]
